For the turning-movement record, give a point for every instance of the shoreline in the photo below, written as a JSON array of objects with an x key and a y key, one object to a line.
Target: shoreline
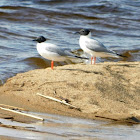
[{"x": 105, "y": 91}]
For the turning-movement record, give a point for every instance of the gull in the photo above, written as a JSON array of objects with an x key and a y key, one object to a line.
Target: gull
[
  {"x": 53, "y": 52},
  {"x": 94, "y": 47}
]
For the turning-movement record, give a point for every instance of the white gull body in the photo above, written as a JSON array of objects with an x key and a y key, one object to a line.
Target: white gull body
[
  {"x": 94, "y": 47},
  {"x": 53, "y": 52}
]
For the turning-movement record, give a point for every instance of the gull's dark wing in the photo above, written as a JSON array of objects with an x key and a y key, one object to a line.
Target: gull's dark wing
[
  {"x": 96, "y": 46},
  {"x": 60, "y": 51}
]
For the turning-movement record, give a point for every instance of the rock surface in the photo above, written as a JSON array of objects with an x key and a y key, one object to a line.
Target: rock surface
[{"x": 108, "y": 90}]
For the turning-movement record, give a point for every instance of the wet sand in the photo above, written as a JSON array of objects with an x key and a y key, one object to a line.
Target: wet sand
[{"x": 106, "y": 91}]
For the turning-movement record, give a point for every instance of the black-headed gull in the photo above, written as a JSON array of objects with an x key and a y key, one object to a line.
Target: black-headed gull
[
  {"x": 53, "y": 52},
  {"x": 94, "y": 47}
]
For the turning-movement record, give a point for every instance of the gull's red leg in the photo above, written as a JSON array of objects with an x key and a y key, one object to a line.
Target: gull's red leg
[
  {"x": 52, "y": 65},
  {"x": 94, "y": 60},
  {"x": 91, "y": 60}
]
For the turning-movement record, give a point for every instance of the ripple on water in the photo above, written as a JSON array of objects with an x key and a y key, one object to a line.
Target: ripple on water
[{"x": 115, "y": 23}]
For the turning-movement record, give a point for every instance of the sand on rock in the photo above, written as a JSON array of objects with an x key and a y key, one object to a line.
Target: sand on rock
[{"x": 109, "y": 90}]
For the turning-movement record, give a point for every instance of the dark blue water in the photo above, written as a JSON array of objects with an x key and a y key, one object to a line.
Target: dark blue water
[{"x": 115, "y": 23}]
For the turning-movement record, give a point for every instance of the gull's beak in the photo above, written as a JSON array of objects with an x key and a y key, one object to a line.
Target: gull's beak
[
  {"x": 34, "y": 40},
  {"x": 77, "y": 33}
]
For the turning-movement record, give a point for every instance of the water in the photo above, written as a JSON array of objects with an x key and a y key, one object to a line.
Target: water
[
  {"x": 115, "y": 23},
  {"x": 60, "y": 127}
]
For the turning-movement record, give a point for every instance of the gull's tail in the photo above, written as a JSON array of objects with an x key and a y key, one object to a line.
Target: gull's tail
[
  {"x": 81, "y": 57},
  {"x": 114, "y": 54},
  {"x": 72, "y": 55},
  {"x": 121, "y": 55}
]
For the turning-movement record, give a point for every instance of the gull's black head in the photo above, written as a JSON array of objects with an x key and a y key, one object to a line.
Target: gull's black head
[
  {"x": 84, "y": 32},
  {"x": 40, "y": 39}
]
